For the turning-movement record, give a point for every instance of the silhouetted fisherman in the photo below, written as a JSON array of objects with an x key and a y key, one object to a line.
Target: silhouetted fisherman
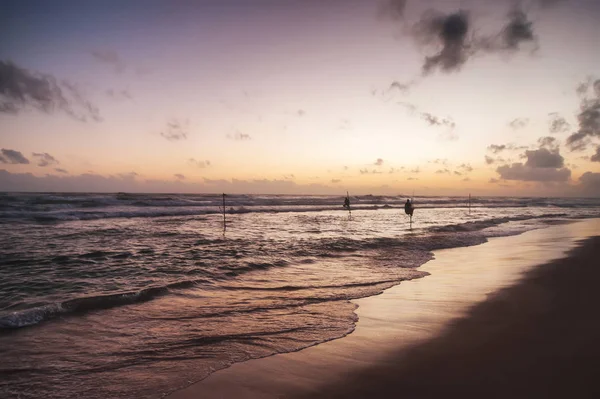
[
  {"x": 347, "y": 202},
  {"x": 408, "y": 208}
]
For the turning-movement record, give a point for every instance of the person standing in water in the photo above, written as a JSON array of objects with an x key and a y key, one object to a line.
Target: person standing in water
[{"x": 408, "y": 208}]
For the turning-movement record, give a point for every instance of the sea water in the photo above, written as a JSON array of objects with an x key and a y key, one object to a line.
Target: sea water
[{"x": 137, "y": 295}]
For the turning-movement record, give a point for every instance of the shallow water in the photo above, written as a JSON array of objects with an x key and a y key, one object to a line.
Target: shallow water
[{"x": 137, "y": 295}]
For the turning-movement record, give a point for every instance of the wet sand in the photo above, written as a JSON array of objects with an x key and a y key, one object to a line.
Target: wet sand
[{"x": 515, "y": 317}]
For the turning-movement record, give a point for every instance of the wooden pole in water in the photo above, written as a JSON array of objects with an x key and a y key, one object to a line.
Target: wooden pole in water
[
  {"x": 224, "y": 221},
  {"x": 469, "y": 203},
  {"x": 349, "y": 211}
]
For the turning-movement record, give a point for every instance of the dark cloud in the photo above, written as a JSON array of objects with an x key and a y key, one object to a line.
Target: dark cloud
[
  {"x": 401, "y": 87},
  {"x": 239, "y": 136},
  {"x": 489, "y": 160},
  {"x": 518, "y": 123},
  {"x": 199, "y": 164},
  {"x": 60, "y": 170},
  {"x": 544, "y": 158},
  {"x": 596, "y": 156},
  {"x": 393, "y": 9},
  {"x": 449, "y": 32},
  {"x": 518, "y": 30},
  {"x": 12, "y": 157},
  {"x": 20, "y": 88},
  {"x": 590, "y": 183},
  {"x": 45, "y": 159},
  {"x": 179, "y": 176},
  {"x": 588, "y": 119},
  {"x": 109, "y": 57},
  {"x": 379, "y": 162},
  {"x": 557, "y": 124},
  {"x": 176, "y": 130},
  {"x": 518, "y": 171},
  {"x": 457, "y": 42}
]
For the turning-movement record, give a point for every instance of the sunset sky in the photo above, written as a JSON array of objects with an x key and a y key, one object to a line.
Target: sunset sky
[{"x": 439, "y": 97}]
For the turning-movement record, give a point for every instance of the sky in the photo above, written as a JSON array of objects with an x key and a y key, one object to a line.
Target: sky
[{"x": 437, "y": 97}]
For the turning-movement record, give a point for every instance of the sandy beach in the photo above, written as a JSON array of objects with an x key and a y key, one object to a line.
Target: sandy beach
[{"x": 514, "y": 317}]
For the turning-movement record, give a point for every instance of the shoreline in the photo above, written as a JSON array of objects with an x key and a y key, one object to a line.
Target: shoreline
[{"x": 399, "y": 320}]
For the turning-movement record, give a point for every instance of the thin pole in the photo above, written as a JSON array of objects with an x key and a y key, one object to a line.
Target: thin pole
[
  {"x": 224, "y": 221},
  {"x": 349, "y": 211}
]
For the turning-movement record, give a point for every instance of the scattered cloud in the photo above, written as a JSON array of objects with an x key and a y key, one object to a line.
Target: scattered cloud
[
  {"x": 415, "y": 170},
  {"x": 439, "y": 161},
  {"x": 442, "y": 171},
  {"x": 518, "y": 123},
  {"x": 548, "y": 142},
  {"x": 557, "y": 124},
  {"x": 412, "y": 178},
  {"x": 544, "y": 158},
  {"x": 12, "y": 157},
  {"x": 366, "y": 171},
  {"x": 489, "y": 160},
  {"x": 45, "y": 159},
  {"x": 119, "y": 94},
  {"x": 238, "y": 136},
  {"x": 179, "y": 176},
  {"x": 22, "y": 88},
  {"x": 493, "y": 180},
  {"x": 393, "y": 9},
  {"x": 111, "y": 58},
  {"x": 436, "y": 121},
  {"x": 466, "y": 179},
  {"x": 518, "y": 171},
  {"x": 60, "y": 170},
  {"x": 176, "y": 130},
  {"x": 301, "y": 112},
  {"x": 588, "y": 118},
  {"x": 198, "y": 163},
  {"x": 590, "y": 183},
  {"x": 335, "y": 181},
  {"x": 379, "y": 162},
  {"x": 596, "y": 156},
  {"x": 465, "y": 167}
]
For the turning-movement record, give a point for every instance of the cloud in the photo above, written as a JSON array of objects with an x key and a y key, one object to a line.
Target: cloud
[
  {"x": 465, "y": 167},
  {"x": 109, "y": 57},
  {"x": 199, "y": 164},
  {"x": 489, "y": 160},
  {"x": 412, "y": 178},
  {"x": 176, "y": 130},
  {"x": 179, "y": 176},
  {"x": 366, "y": 171},
  {"x": 239, "y": 136},
  {"x": 301, "y": 112},
  {"x": 379, "y": 162},
  {"x": 557, "y": 124},
  {"x": 588, "y": 119},
  {"x": 21, "y": 88},
  {"x": 544, "y": 158},
  {"x": 45, "y": 159},
  {"x": 452, "y": 34},
  {"x": 596, "y": 156},
  {"x": 447, "y": 31},
  {"x": 436, "y": 121},
  {"x": 493, "y": 180},
  {"x": 442, "y": 171},
  {"x": 12, "y": 157},
  {"x": 335, "y": 181},
  {"x": 548, "y": 142},
  {"x": 590, "y": 183},
  {"x": 119, "y": 94},
  {"x": 518, "y": 123},
  {"x": 518, "y": 171},
  {"x": 401, "y": 87},
  {"x": 498, "y": 148},
  {"x": 457, "y": 173},
  {"x": 415, "y": 170},
  {"x": 439, "y": 161},
  {"x": 393, "y": 9},
  {"x": 60, "y": 170}
]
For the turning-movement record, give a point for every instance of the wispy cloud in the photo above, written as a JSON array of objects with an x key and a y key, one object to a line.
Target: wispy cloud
[
  {"x": 176, "y": 130},
  {"x": 60, "y": 170},
  {"x": 518, "y": 123},
  {"x": 12, "y": 157},
  {"x": 45, "y": 159},
  {"x": 22, "y": 88},
  {"x": 199, "y": 163},
  {"x": 557, "y": 124},
  {"x": 111, "y": 58},
  {"x": 238, "y": 136},
  {"x": 119, "y": 94},
  {"x": 179, "y": 176}
]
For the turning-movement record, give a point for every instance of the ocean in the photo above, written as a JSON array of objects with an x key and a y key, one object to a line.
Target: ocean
[{"x": 137, "y": 295}]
